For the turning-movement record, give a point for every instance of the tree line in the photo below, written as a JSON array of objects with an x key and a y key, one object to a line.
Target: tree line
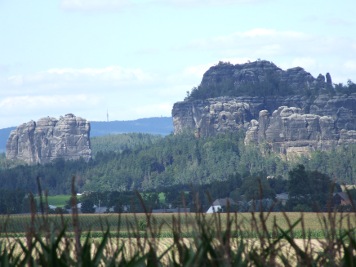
[
  {"x": 222, "y": 165},
  {"x": 172, "y": 160}
]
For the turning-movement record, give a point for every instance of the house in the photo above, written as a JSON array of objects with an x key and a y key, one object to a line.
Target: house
[
  {"x": 341, "y": 198},
  {"x": 103, "y": 209},
  {"x": 282, "y": 198},
  {"x": 52, "y": 207},
  {"x": 220, "y": 205}
]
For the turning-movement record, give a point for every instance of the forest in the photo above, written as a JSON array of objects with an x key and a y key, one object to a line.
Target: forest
[{"x": 222, "y": 165}]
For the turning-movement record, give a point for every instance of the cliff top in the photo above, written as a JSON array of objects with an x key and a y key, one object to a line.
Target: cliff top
[{"x": 258, "y": 78}]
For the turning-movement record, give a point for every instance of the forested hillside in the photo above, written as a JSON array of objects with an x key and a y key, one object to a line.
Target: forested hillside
[
  {"x": 153, "y": 163},
  {"x": 122, "y": 142}
]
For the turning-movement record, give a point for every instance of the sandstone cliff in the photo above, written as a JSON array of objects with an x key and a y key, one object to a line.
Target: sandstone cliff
[
  {"x": 231, "y": 97},
  {"x": 288, "y": 131},
  {"x": 49, "y": 139},
  {"x": 212, "y": 115}
]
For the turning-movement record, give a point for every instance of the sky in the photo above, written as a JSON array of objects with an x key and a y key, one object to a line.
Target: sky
[{"x": 135, "y": 58}]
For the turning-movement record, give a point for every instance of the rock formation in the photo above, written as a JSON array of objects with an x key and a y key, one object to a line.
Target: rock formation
[
  {"x": 288, "y": 131},
  {"x": 49, "y": 139},
  {"x": 232, "y": 97},
  {"x": 261, "y": 72},
  {"x": 211, "y": 116}
]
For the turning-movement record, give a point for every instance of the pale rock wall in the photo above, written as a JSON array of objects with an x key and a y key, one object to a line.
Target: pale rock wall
[
  {"x": 49, "y": 139},
  {"x": 288, "y": 131},
  {"x": 211, "y": 116},
  {"x": 312, "y": 117}
]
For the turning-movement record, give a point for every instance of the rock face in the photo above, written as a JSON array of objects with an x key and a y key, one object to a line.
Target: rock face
[
  {"x": 261, "y": 72},
  {"x": 207, "y": 115},
  {"x": 49, "y": 139},
  {"x": 290, "y": 132},
  {"x": 211, "y": 116},
  {"x": 318, "y": 117}
]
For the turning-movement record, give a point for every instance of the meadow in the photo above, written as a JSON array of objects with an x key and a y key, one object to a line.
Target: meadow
[
  {"x": 180, "y": 239},
  {"x": 58, "y": 200},
  {"x": 185, "y": 239},
  {"x": 121, "y": 224}
]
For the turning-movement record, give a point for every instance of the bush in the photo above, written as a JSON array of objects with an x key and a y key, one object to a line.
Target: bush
[{"x": 87, "y": 206}]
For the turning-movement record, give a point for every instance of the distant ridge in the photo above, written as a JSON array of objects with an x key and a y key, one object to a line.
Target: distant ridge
[{"x": 155, "y": 125}]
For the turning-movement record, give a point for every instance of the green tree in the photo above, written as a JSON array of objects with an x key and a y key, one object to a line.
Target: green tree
[
  {"x": 256, "y": 187},
  {"x": 87, "y": 205},
  {"x": 299, "y": 187},
  {"x": 308, "y": 189}
]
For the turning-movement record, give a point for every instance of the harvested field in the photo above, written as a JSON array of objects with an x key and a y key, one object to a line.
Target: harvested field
[
  {"x": 314, "y": 223},
  {"x": 247, "y": 239}
]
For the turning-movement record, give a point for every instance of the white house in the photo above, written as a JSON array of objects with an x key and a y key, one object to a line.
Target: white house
[
  {"x": 219, "y": 205},
  {"x": 214, "y": 208}
]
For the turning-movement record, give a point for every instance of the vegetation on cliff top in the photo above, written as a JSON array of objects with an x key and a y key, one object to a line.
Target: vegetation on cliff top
[{"x": 261, "y": 78}]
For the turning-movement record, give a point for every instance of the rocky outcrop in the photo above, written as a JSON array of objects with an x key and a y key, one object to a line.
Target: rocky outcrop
[
  {"x": 318, "y": 116},
  {"x": 211, "y": 116},
  {"x": 49, "y": 139},
  {"x": 288, "y": 131},
  {"x": 264, "y": 73},
  {"x": 214, "y": 115}
]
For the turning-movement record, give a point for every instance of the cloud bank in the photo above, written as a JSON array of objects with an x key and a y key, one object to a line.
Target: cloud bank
[
  {"x": 118, "y": 5},
  {"x": 128, "y": 93},
  {"x": 134, "y": 92},
  {"x": 95, "y": 5},
  {"x": 292, "y": 48}
]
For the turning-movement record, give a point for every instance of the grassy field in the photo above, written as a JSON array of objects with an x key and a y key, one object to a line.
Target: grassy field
[
  {"x": 235, "y": 239},
  {"x": 59, "y": 200},
  {"x": 244, "y": 223}
]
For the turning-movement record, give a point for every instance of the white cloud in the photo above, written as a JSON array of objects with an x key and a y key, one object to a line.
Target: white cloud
[
  {"x": 20, "y": 109},
  {"x": 315, "y": 53},
  {"x": 128, "y": 93},
  {"x": 117, "y": 5},
  {"x": 195, "y": 3},
  {"x": 62, "y": 80},
  {"x": 4, "y": 68},
  {"x": 269, "y": 39},
  {"x": 43, "y": 102},
  {"x": 95, "y": 5},
  {"x": 350, "y": 65},
  {"x": 111, "y": 73}
]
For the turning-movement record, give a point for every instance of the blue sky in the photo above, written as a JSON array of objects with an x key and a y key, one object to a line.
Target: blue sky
[{"x": 135, "y": 58}]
